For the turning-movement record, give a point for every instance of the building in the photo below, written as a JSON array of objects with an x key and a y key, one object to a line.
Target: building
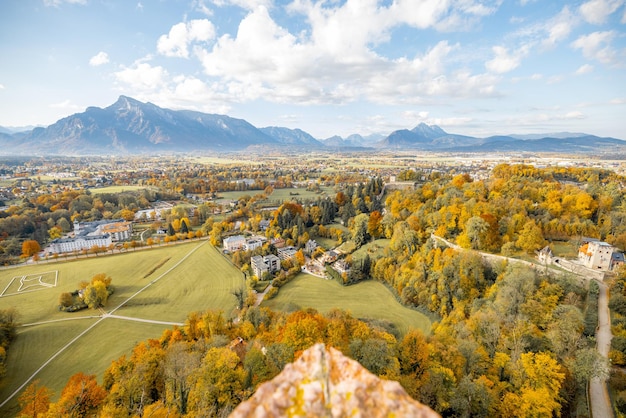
[
  {"x": 90, "y": 234},
  {"x": 253, "y": 244},
  {"x": 262, "y": 264},
  {"x": 286, "y": 253},
  {"x": 86, "y": 242},
  {"x": 119, "y": 229},
  {"x": 310, "y": 246},
  {"x": 234, "y": 243},
  {"x": 596, "y": 254},
  {"x": 264, "y": 224},
  {"x": 341, "y": 266}
]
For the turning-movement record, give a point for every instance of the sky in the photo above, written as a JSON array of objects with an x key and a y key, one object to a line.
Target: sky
[{"x": 333, "y": 67}]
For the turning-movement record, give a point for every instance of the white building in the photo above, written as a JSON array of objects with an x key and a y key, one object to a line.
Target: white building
[
  {"x": 261, "y": 264},
  {"x": 234, "y": 243},
  {"x": 253, "y": 244},
  {"x": 596, "y": 255},
  {"x": 286, "y": 253},
  {"x": 86, "y": 242}
]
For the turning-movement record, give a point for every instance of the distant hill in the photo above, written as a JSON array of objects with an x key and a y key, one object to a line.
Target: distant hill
[
  {"x": 291, "y": 136},
  {"x": 432, "y": 138},
  {"x": 129, "y": 126}
]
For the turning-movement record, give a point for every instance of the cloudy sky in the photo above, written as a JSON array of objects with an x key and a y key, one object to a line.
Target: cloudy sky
[{"x": 329, "y": 67}]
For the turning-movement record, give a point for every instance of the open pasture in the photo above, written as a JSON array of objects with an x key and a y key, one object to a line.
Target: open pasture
[
  {"x": 161, "y": 284},
  {"x": 369, "y": 299}
]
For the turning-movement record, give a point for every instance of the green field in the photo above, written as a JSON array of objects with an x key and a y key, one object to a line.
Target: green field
[
  {"x": 116, "y": 189},
  {"x": 279, "y": 195},
  {"x": 369, "y": 299},
  {"x": 375, "y": 249},
  {"x": 172, "y": 288}
]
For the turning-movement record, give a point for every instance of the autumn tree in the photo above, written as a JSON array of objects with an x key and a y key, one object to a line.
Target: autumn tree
[
  {"x": 30, "y": 247},
  {"x": 34, "y": 401},
  {"x": 359, "y": 229},
  {"x": 81, "y": 397},
  {"x": 530, "y": 238}
]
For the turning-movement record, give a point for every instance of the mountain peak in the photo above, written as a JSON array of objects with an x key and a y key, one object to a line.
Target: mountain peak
[{"x": 429, "y": 131}]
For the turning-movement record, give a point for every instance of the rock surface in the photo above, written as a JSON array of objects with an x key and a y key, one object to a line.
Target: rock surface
[{"x": 325, "y": 383}]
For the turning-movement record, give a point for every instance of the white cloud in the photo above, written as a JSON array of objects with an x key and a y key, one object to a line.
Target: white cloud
[
  {"x": 598, "y": 11},
  {"x": 618, "y": 101},
  {"x": 335, "y": 61},
  {"x": 141, "y": 76},
  {"x": 57, "y": 3},
  {"x": 584, "y": 69},
  {"x": 597, "y": 46},
  {"x": 181, "y": 35},
  {"x": 66, "y": 105},
  {"x": 504, "y": 62},
  {"x": 559, "y": 27},
  {"x": 1, "y": 86},
  {"x": 244, "y": 4},
  {"x": 99, "y": 59}
]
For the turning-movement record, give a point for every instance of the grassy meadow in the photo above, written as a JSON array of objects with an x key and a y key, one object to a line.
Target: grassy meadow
[
  {"x": 203, "y": 280},
  {"x": 116, "y": 189},
  {"x": 368, "y": 299}
]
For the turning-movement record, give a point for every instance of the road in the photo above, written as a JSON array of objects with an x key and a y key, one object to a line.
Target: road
[
  {"x": 103, "y": 317},
  {"x": 598, "y": 393}
]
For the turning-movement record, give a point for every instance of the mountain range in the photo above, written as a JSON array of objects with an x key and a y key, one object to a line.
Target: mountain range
[{"x": 129, "y": 126}]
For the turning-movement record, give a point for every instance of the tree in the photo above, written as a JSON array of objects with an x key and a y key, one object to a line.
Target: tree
[
  {"x": 184, "y": 228},
  {"x": 55, "y": 232},
  {"x": 66, "y": 299},
  {"x": 30, "y": 247},
  {"x": 81, "y": 397},
  {"x": 220, "y": 384},
  {"x": 475, "y": 229},
  {"x": 359, "y": 229},
  {"x": 179, "y": 365},
  {"x": 530, "y": 237},
  {"x": 35, "y": 400}
]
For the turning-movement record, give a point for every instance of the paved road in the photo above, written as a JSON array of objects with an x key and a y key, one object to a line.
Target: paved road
[
  {"x": 103, "y": 317},
  {"x": 598, "y": 393}
]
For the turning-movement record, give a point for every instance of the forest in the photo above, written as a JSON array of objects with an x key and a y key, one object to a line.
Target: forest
[{"x": 506, "y": 340}]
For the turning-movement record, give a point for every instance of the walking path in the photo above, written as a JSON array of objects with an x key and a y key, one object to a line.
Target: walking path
[
  {"x": 102, "y": 317},
  {"x": 598, "y": 393}
]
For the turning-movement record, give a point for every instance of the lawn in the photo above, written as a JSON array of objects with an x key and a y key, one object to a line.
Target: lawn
[
  {"x": 300, "y": 194},
  {"x": 116, "y": 189},
  {"x": 369, "y": 299},
  {"x": 375, "y": 249},
  {"x": 203, "y": 280}
]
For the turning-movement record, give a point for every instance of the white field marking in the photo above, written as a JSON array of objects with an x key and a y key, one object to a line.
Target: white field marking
[
  {"x": 9, "y": 285},
  {"x": 41, "y": 284}
]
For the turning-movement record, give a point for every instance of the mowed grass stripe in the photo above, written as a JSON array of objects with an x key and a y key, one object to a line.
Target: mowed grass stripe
[{"x": 368, "y": 299}]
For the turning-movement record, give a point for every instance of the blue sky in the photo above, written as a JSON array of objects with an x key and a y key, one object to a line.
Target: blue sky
[{"x": 328, "y": 67}]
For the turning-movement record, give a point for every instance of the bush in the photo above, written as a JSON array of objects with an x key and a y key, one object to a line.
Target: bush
[
  {"x": 271, "y": 293},
  {"x": 509, "y": 249}
]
